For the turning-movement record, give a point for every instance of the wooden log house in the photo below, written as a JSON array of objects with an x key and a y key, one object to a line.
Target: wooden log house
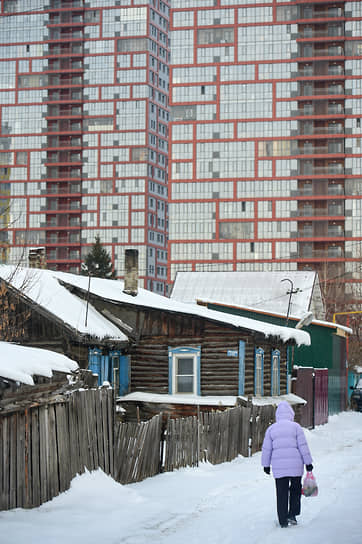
[{"x": 189, "y": 354}]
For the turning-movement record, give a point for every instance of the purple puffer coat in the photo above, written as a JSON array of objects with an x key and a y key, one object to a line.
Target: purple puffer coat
[{"x": 285, "y": 447}]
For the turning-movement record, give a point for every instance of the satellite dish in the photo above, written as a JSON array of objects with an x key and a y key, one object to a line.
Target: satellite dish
[{"x": 305, "y": 321}]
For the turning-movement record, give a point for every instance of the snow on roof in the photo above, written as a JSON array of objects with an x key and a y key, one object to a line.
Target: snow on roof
[
  {"x": 49, "y": 291},
  {"x": 206, "y": 400},
  {"x": 20, "y": 363},
  {"x": 259, "y": 290},
  {"x": 113, "y": 290},
  {"x": 319, "y": 322},
  {"x": 43, "y": 288}
]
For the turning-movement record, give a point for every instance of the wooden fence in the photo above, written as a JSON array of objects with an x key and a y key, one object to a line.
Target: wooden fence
[
  {"x": 137, "y": 450},
  {"x": 43, "y": 447},
  {"x": 147, "y": 448}
]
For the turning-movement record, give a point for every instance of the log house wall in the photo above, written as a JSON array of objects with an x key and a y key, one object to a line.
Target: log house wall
[{"x": 219, "y": 372}]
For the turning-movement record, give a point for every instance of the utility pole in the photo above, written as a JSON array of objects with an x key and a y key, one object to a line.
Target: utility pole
[{"x": 291, "y": 292}]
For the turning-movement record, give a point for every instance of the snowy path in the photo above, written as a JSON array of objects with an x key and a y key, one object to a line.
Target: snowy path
[{"x": 230, "y": 503}]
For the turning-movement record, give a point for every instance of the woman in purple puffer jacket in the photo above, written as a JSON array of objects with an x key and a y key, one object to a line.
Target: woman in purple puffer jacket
[{"x": 285, "y": 448}]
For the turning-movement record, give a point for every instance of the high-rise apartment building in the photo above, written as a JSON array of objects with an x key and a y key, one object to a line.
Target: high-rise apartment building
[
  {"x": 84, "y": 131},
  {"x": 266, "y": 101}
]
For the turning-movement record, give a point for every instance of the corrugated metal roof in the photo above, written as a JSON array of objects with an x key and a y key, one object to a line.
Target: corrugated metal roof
[{"x": 260, "y": 290}]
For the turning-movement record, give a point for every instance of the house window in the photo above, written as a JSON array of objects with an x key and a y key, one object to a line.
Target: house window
[
  {"x": 94, "y": 363},
  {"x": 114, "y": 370},
  {"x": 258, "y": 372},
  {"x": 184, "y": 371},
  {"x": 275, "y": 372}
]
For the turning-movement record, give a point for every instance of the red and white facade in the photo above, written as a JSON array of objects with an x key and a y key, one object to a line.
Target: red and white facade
[
  {"x": 265, "y": 138},
  {"x": 84, "y": 131}
]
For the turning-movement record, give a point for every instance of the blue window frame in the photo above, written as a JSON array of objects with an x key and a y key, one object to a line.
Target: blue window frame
[
  {"x": 241, "y": 387},
  {"x": 94, "y": 362},
  {"x": 259, "y": 372},
  {"x": 275, "y": 372},
  {"x": 112, "y": 367},
  {"x": 184, "y": 370}
]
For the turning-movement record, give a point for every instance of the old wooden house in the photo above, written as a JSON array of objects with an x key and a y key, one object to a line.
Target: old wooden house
[
  {"x": 183, "y": 355},
  {"x": 38, "y": 311}
]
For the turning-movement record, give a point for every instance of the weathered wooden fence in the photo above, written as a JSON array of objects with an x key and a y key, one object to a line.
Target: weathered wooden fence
[
  {"x": 43, "y": 447},
  {"x": 147, "y": 448},
  {"x": 137, "y": 450}
]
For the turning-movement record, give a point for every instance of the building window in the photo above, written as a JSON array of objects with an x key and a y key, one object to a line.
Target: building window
[
  {"x": 275, "y": 372},
  {"x": 184, "y": 371},
  {"x": 259, "y": 372}
]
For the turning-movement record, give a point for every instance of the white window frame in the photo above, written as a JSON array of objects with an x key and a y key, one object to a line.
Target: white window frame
[
  {"x": 184, "y": 353},
  {"x": 275, "y": 372},
  {"x": 259, "y": 372}
]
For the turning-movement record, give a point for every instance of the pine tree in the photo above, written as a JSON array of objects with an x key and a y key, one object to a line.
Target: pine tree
[{"x": 98, "y": 262}]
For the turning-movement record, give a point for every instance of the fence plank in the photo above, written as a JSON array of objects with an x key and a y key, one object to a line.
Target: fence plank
[
  {"x": 35, "y": 457},
  {"x": 62, "y": 435},
  {"x": 53, "y": 461},
  {"x": 20, "y": 460}
]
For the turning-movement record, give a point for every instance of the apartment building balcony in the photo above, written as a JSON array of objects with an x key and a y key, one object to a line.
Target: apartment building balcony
[
  {"x": 62, "y": 205},
  {"x": 65, "y": 34},
  {"x": 307, "y": 50},
  {"x": 65, "y": 18},
  {"x": 311, "y": 168},
  {"x": 321, "y": 31},
  {"x": 64, "y": 95},
  {"x": 321, "y": 229},
  {"x": 58, "y": 238},
  {"x": 307, "y": 251},
  {"x": 63, "y": 141},
  {"x": 321, "y": 107},
  {"x": 64, "y": 126},
  {"x": 312, "y": 148},
  {"x": 63, "y": 158},
  {"x": 64, "y": 110},
  {"x": 63, "y": 254},
  {"x": 62, "y": 221},
  {"x": 320, "y": 69},
  {"x": 320, "y": 89},
  {"x": 310, "y": 128},
  {"x": 62, "y": 188},
  {"x": 65, "y": 64},
  {"x": 58, "y": 173},
  {"x": 316, "y": 210},
  {"x": 319, "y": 189},
  {"x": 63, "y": 80},
  {"x": 318, "y": 11},
  {"x": 64, "y": 49}
]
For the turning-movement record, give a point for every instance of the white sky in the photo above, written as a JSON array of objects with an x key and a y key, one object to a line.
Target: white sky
[{"x": 231, "y": 503}]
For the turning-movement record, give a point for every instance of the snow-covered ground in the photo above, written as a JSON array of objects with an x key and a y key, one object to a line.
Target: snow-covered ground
[{"x": 229, "y": 503}]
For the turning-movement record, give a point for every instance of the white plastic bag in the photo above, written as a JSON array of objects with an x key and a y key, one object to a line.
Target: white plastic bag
[{"x": 310, "y": 487}]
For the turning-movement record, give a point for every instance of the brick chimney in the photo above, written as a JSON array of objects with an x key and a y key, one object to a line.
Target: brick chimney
[{"x": 131, "y": 272}]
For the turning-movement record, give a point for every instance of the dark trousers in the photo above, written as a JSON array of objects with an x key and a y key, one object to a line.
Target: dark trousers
[{"x": 288, "y": 497}]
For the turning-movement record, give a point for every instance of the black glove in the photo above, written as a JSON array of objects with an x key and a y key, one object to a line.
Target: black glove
[
  {"x": 309, "y": 468},
  {"x": 267, "y": 470}
]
